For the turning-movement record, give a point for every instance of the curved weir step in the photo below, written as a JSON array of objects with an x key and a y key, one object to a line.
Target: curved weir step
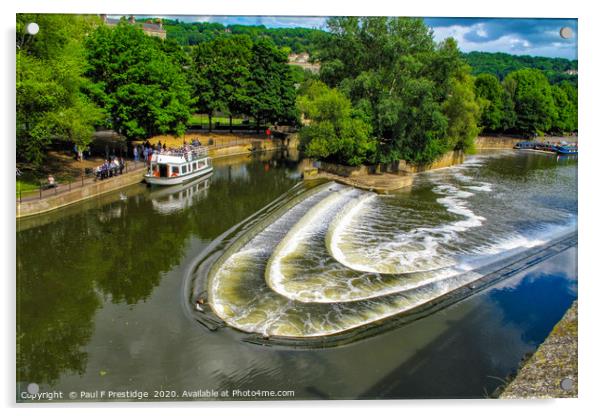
[
  {"x": 333, "y": 261},
  {"x": 488, "y": 276}
]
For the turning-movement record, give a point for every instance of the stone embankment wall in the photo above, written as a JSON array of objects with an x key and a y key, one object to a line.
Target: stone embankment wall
[
  {"x": 254, "y": 146},
  {"x": 38, "y": 206},
  {"x": 449, "y": 159},
  {"x": 401, "y": 167},
  {"x": 494, "y": 142},
  {"x": 382, "y": 178}
]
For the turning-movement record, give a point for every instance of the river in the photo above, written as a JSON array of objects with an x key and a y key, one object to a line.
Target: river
[{"x": 104, "y": 287}]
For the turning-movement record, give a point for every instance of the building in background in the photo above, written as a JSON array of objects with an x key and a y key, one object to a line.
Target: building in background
[{"x": 152, "y": 27}]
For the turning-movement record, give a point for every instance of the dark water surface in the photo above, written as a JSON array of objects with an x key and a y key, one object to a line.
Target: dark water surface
[{"x": 101, "y": 304}]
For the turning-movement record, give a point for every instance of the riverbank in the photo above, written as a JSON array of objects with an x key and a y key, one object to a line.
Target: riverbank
[
  {"x": 72, "y": 196},
  {"x": 552, "y": 370},
  {"x": 382, "y": 178},
  {"x": 506, "y": 142},
  {"x": 64, "y": 198}
]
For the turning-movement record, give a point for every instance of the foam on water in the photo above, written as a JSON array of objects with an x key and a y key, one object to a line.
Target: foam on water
[
  {"x": 396, "y": 252},
  {"x": 343, "y": 258}
]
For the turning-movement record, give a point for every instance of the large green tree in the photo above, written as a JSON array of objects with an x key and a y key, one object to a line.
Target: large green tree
[
  {"x": 418, "y": 94},
  {"x": 51, "y": 103},
  {"x": 489, "y": 90},
  {"x": 221, "y": 72},
  {"x": 565, "y": 117},
  {"x": 336, "y": 131},
  {"x": 271, "y": 90},
  {"x": 139, "y": 81},
  {"x": 533, "y": 100}
]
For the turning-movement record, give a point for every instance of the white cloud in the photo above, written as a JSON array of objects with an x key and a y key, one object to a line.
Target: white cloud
[{"x": 511, "y": 43}]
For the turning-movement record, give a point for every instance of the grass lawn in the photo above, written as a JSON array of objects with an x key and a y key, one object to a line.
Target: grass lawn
[
  {"x": 27, "y": 187},
  {"x": 203, "y": 119}
]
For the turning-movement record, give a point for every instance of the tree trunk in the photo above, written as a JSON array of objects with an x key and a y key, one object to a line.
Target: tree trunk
[
  {"x": 210, "y": 117},
  {"x": 230, "y": 123},
  {"x": 257, "y": 123}
]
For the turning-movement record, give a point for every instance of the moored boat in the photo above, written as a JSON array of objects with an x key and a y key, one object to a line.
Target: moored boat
[
  {"x": 525, "y": 145},
  {"x": 174, "y": 167},
  {"x": 566, "y": 150}
]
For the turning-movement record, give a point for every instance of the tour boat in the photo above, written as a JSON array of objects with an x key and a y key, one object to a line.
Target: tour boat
[{"x": 178, "y": 166}]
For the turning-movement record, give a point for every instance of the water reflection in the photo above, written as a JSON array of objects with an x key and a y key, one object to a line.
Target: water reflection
[
  {"x": 99, "y": 286},
  {"x": 167, "y": 200},
  {"x": 73, "y": 263}
]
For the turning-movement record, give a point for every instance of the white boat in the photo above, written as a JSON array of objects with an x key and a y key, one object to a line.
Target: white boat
[{"x": 178, "y": 166}]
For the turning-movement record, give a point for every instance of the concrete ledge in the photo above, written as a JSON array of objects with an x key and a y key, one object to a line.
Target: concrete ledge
[
  {"x": 381, "y": 184},
  {"x": 38, "y": 206},
  {"x": 448, "y": 159},
  {"x": 554, "y": 361}
]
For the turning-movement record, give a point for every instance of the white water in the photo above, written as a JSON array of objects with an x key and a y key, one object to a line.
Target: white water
[{"x": 343, "y": 258}]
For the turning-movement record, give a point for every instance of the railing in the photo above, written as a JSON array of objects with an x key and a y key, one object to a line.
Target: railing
[{"x": 87, "y": 177}]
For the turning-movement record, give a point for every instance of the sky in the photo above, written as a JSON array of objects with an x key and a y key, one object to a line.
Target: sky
[{"x": 518, "y": 36}]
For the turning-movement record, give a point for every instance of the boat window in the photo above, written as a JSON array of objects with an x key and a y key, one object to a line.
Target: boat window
[
  {"x": 184, "y": 170},
  {"x": 194, "y": 166},
  {"x": 175, "y": 171}
]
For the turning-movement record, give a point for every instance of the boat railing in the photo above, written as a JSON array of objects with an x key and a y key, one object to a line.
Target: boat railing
[{"x": 191, "y": 153}]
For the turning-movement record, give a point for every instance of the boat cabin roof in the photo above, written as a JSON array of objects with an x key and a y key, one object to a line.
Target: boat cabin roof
[{"x": 180, "y": 157}]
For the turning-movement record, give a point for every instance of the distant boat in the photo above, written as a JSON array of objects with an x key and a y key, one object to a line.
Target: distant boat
[
  {"x": 563, "y": 148},
  {"x": 525, "y": 145},
  {"x": 566, "y": 150}
]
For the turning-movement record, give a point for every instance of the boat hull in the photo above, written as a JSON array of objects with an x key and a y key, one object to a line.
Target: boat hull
[
  {"x": 153, "y": 180},
  {"x": 566, "y": 152}
]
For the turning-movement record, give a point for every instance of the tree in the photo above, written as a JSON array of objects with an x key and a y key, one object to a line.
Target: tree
[
  {"x": 565, "y": 119},
  {"x": 336, "y": 131},
  {"x": 573, "y": 105},
  {"x": 51, "y": 103},
  {"x": 221, "y": 73},
  {"x": 270, "y": 88},
  {"x": 417, "y": 93},
  {"x": 532, "y": 96},
  {"x": 501, "y": 64},
  {"x": 140, "y": 85},
  {"x": 489, "y": 89}
]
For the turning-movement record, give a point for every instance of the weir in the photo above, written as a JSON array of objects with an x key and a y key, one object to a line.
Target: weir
[{"x": 333, "y": 264}]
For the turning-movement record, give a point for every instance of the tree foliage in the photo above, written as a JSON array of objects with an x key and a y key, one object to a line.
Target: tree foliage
[
  {"x": 271, "y": 90},
  {"x": 296, "y": 39},
  {"x": 418, "y": 94},
  {"x": 501, "y": 64},
  {"x": 51, "y": 103},
  {"x": 337, "y": 132},
  {"x": 533, "y": 101},
  {"x": 221, "y": 72},
  {"x": 234, "y": 75},
  {"x": 138, "y": 81}
]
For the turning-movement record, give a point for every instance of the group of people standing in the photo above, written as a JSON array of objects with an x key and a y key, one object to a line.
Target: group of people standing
[
  {"x": 110, "y": 167},
  {"x": 145, "y": 151}
]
